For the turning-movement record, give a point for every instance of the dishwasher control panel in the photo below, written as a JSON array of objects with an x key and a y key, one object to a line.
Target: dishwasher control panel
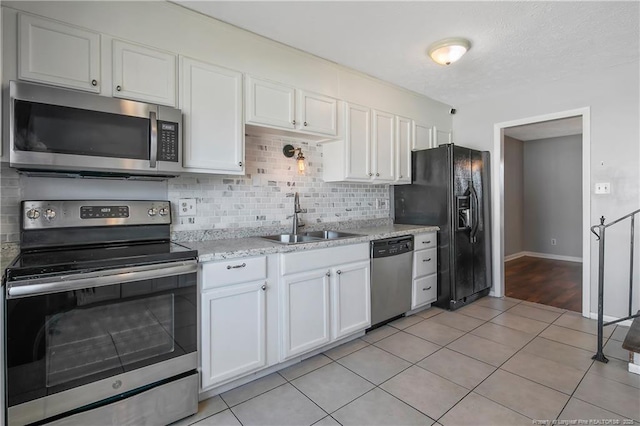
[{"x": 391, "y": 246}]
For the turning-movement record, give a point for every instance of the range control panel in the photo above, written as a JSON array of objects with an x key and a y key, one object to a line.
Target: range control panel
[
  {"x": 79, "y": 213},
  {"x": 168, "y": 141}
]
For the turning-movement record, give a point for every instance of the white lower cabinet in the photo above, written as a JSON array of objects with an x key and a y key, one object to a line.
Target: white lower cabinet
[
  {"x": 327, "y": 303},
  {"x": 306, "y": 311},
  {"x": 235, "y": 341},
  {"x": 425, "y": 270}
]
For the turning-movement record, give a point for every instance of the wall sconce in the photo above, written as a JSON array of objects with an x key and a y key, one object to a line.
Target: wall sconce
[{"x": 289, "y": 152}]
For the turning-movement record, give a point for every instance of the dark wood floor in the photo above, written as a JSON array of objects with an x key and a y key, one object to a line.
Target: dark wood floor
[{"x": 550, "y": 282}]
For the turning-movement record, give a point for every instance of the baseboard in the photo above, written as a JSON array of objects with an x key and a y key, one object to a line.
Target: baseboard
[
  {"x": 608, "y": 318},
  {"x": 634, "y": 368},
  {"x": 543, "y": 256}
]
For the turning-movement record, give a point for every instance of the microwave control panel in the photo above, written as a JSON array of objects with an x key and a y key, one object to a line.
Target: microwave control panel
[{"x": 168, "y": 141}]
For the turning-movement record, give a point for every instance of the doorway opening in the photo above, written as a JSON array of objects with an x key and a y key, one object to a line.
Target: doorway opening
[{"x": 541, "y": 241}]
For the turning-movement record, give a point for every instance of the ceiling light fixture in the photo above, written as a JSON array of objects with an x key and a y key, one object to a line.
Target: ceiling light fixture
[
  {"x": 289, "y": 151},
  {"x": 448, "y": 50}
]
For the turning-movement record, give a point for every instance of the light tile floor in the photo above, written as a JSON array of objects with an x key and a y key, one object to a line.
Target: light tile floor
[{"x": 495, "y": 362}]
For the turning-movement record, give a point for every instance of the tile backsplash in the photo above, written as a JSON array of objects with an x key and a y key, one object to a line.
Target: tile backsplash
[{"x": 263, "y": 198}]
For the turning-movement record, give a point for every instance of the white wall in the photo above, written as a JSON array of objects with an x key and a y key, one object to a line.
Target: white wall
[
  {"x": 613, "y": 98},
  {"x": 552, "y": 176}
]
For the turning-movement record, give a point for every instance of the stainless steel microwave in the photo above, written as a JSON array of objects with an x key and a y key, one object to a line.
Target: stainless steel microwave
[{"x": 53, "y": 129}]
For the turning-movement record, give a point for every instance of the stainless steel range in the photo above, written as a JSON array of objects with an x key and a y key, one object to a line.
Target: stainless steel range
[{"x": 100, "y": 316}]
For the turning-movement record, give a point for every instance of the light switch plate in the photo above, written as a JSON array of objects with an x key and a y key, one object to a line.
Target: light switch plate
[
  {"x": 603, "y": 188},
  {"x": 187, "y": 207}
]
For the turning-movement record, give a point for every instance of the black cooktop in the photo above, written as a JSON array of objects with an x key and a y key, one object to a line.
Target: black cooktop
[{"x": 78, "y": 259}]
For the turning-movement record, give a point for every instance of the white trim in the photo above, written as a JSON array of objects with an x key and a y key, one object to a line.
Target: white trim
[
  {"x": 497, "y": 188},
  {"x": 634, "y": 368},
  {"x": 543, "y": 256},
  {"x": 608, "y": 318}
]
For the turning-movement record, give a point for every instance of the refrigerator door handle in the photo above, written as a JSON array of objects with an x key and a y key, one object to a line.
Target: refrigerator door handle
[{"x": 474, "y": 212}]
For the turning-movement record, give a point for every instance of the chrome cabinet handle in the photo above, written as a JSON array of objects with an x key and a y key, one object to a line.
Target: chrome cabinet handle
[
  {"x": 240, "y": 163},
  {"x": 328, "y": 273},
  {"x": 426, "y": 260},
  {"x": 94, "y": 82},
  {"x": 236, "y": 266},
  {"x": 370, "y": 174},
  {"x": 305, "y": 123},
  {"x": 400, "y": 176},
  {"x": 293, "y": 122},
  {"x": 425, "y": 289},
  {"x": 118, "y": 88},
  {"x": 338, "y": 272},
  {"x": 377, "y": 174},
  {"x": 264, "y": 287},
  {"x": 426, "y": 242}
]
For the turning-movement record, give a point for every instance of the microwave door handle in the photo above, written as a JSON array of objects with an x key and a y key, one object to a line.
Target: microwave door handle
[{"x": 153, "y": 157}]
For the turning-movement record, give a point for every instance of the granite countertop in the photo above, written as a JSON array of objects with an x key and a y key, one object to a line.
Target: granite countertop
[{"x": 255, "y": 246}]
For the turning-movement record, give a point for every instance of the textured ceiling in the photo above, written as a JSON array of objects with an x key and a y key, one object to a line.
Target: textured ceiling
[{"x": 513, "y": 43}]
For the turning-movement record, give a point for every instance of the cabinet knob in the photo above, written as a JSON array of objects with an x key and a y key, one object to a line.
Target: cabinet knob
[
  {"x": 426, "y": 289},
  {"x": 118, "y": 88},
  {"x": 370, "y": 174},
  {"x": 240, "y": 163},
  {"x": 293, "y": 122},
  {"x": 377, "y": 174},
  {"x": 264, "y": 287},
  {"x": 305, "y": 123},
  {"x": 94, "y": 82},
  {"x": 328, "y": 273},
  {"x": 400, "y": 176},
  {"x": 338, "y": 272}
]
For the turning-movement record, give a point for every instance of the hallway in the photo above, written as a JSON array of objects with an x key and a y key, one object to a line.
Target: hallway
[{"x": 545, "y": 281}]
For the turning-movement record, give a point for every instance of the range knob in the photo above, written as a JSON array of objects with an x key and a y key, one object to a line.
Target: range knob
[
  {"x": 164, "y": 211},
  {"x": 49, "y": 214},
  {"x": 33, "y": 214},
  {"x": 152, "y": 211}
]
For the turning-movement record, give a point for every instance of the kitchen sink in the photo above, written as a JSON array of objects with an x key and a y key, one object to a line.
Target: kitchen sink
[
  {"x": 291, "y": 238},
  {"x": 309, "y": 237},
  {"x": 330, "y": 235}
]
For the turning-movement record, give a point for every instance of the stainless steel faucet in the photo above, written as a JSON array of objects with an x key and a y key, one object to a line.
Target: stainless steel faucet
[{"x": 296, "y": 210}]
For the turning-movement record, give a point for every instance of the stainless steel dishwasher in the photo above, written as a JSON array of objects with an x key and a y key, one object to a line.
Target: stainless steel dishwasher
[{"x": 391, "y": 272}]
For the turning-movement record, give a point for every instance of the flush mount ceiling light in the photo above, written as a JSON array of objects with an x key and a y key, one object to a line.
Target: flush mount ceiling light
[
  {"x": 448, "y": 50},
  {"x": 289, "y": 151}
]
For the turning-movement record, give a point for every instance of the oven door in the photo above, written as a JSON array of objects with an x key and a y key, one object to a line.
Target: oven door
[
  {"x": 80, "y": 339},
  {"x": 58, "y": 129}
]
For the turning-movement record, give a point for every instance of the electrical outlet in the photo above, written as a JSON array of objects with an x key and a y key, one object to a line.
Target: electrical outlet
[
  {"x": 378, "y": 203},
  {"x": 187, "y": 207},
  {"x": 603, "y": 188},
  {"x": 554, "y": 242},
  {"x": 190, "y": 220}
]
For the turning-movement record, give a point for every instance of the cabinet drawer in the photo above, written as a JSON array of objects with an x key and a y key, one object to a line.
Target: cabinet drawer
[
  {"x": 426, "y": 240},
  {"x": 425, "y": 290},
  {"x": 424, "y": 262},
  {"x": 217, "y": 274}
]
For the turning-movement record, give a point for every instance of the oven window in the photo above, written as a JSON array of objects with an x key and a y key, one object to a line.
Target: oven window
[
  {"x": 59, "y": 341},
  {"x": 65, "y": 130}
]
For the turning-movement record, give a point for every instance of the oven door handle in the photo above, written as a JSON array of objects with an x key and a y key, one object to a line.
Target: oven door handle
[{"x": 40, "y": 286}]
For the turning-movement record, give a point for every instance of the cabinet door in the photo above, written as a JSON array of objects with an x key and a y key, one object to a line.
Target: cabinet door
[
  {"x": 442, "y": 137},
  {"x": 384, "y": 146},
  {"x": 143, "y": 74},
  {"x": 211, "y": 101},
  {"x": 317, "y": 113},
  {"x": 233, "y": 332},
  {"x": 403, "y": 139},
  {"x": 270, "y": 104},
  {"x": 351, "y": 298},
  {"x": 422, "y": 137},
  {"x": 305, "y": 311},
  {"x": 358, "y": 142},
  {"x": 58, "y": 54},
  {"x": 425, "y": 290}
]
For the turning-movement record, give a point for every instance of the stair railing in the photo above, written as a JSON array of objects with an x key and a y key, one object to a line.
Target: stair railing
[{"x": 599, "y": 356}]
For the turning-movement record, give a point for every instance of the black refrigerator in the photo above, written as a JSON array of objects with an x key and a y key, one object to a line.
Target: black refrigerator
[{"x": 450, "y": 188}]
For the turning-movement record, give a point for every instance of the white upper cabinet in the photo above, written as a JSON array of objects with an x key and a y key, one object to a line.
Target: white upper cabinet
[
  {"x": 422, "y": 137},
  {"x": 211, "y": 102},
  {"x": 442, "y": 136},
  {"x": 62, "y": 55},
  {"x": 143, "y": 74},
  {"x": 269, "y": 103},
  {"x": 384, "y": 146},
  {"x": 357, "y": 142},
  {"x": 317, "y": 113},
  {"x": 404, "y": 139},
  {"x": 279, "y": 106}
]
